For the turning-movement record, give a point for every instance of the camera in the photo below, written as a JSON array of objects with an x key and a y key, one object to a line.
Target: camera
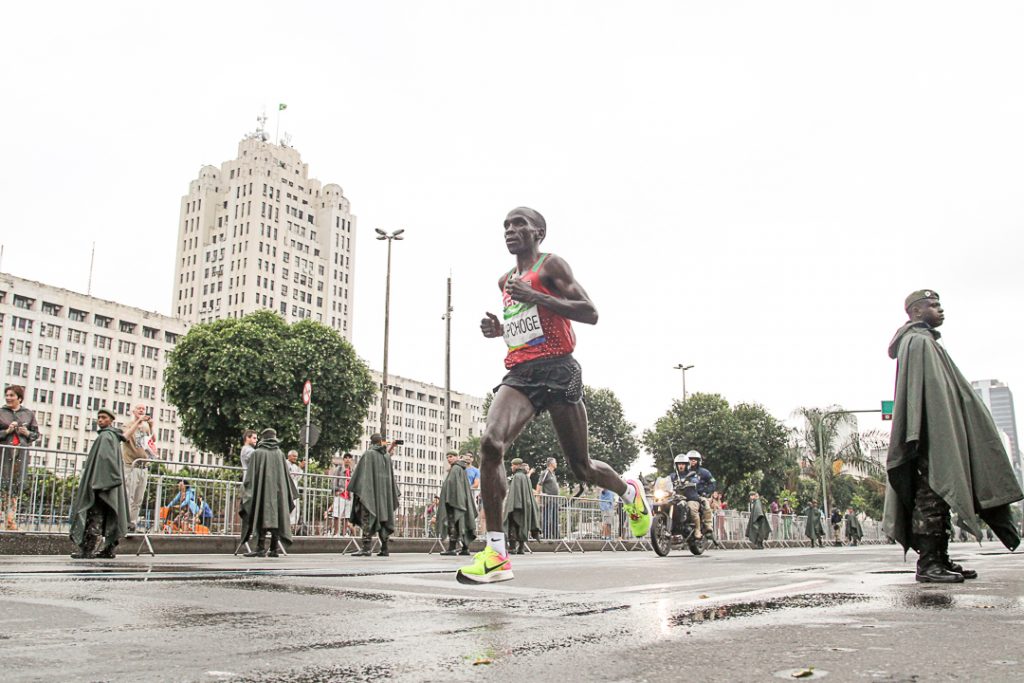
[{"x": 399, "y": 442}]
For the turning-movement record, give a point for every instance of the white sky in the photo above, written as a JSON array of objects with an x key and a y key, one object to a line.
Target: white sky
[{"x": 751, "y": 188}]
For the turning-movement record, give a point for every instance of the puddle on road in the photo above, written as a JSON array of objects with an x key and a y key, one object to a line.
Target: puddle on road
[
  {"x": 596, "y": 610},
  {"x": 321, "y": 674},
  {"x": 748, "y": 609},
  {"x": 317, "y": 591},
  {"x": 945, "y": 599},
  {"x": 333, "y": 644}
]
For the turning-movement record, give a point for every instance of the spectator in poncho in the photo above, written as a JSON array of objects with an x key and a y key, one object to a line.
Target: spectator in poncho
[
  {"x": 268, "y": 497},
  {"x": 374, "y": 496},
  {"x": 522, "y": 514},
  {"x": 851, "y": 527},
  {"x": 758, "y": 529},
  {"x": 814, "y": 529},
  {"x": 100, "y": 507},
  {"x": 456, "y": 512}
]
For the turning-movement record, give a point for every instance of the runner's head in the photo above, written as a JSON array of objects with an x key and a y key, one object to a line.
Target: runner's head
[{"x": 524, "y": 229}]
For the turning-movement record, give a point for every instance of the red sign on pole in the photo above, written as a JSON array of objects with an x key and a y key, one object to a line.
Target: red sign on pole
[{"x": 307, "y": 392}]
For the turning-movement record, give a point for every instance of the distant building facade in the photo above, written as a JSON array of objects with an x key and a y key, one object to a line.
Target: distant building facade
[
  {"x": 75, "y": 353},
  {"x": 416, "y": 412}
]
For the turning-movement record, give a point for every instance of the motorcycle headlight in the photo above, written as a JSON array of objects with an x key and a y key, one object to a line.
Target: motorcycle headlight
[{"x": 660, "y": 495}]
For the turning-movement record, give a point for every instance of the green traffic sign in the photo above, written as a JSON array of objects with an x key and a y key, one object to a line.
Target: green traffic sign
[{"x": 887, "y": 410}]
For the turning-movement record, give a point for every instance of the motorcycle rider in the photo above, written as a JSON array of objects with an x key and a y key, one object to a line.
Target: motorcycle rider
[{"x": 697, "y": 485}]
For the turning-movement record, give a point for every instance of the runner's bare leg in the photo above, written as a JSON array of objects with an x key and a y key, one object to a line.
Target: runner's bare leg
[
  {"x": 508, "y": 415},
  {"x": 570, "y": 422}
]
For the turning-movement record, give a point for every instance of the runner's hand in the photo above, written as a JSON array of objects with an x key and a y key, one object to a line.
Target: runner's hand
[
  {"x": 521, "y": 291},
  {"x": 490, "y": 326}
]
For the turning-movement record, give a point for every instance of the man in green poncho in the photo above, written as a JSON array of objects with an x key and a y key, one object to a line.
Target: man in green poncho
[
  {"x": 813, "y": 529},
  {"x": 944, "y": 451},
  {"x": 758, "y": 528},
  {"x": 268, "y": 496},
  {"x": 456, "y": 513},
  {"x": 851, "y": 527},
  {"x": 100, "y": 507},
  {"x": 374, "y": 496},
  {"x": 522, "y": 513}
]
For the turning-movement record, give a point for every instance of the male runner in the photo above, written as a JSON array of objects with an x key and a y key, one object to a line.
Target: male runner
[{"x": 541, "y": 298}]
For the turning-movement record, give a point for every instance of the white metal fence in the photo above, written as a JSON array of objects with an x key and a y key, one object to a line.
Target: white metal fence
[{"x": 38, "y": 485}]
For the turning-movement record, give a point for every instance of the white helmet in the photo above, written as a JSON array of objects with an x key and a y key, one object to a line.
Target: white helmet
[
  {"x": 695, "y": 454},
  {"x": 680, "y": 459}
]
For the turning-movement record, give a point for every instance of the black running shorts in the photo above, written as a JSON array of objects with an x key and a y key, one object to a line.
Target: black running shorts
[{"x": 546, "y": 381}]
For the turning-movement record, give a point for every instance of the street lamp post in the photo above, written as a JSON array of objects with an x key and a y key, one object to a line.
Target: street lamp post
[
  {"x": 684, "y": 368},
  {"x": 381, "y": 235}
]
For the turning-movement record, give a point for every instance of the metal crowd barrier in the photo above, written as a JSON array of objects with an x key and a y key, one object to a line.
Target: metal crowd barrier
[{"x": 38, "y": 485}]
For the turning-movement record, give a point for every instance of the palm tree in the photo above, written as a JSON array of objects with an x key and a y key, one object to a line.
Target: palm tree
[{"x": 829, "y": 440}]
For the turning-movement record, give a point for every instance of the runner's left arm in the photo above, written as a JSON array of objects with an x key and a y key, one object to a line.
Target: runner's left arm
[{"x": 570, "y": 301}]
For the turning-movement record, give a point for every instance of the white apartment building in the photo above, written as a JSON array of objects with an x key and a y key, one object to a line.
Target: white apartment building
[
  {"x": 259, "y": 233},
  {"x": 416, "y": 411},
  {"x": 75, "y": 353}
]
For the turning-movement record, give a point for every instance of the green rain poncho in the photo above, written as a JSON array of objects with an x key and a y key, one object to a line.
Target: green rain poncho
[
  {"x": 852, "y": 527},
  {"x": 102, "y": 479},
  {"x": 758, "y": 528},
  {"x": 938, "y": 415},
  {"x": 457, "y": 499},
  {"x": 521, "y": 507},
  {"x": 268, "y": 494},
  {"x": 813, "y": 528},
  {"x": 374, "y": 492}
]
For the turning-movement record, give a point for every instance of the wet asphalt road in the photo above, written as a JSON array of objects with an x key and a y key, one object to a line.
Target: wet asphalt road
[{"x": 854, "y": 614}]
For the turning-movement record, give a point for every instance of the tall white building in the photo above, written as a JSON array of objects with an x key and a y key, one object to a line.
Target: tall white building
[
  {"x": 75, "y": 353},
  {"x": 259, "y": 233},
  {"x": 999, "y": 399},
  {"x": 416, "y": 411}
]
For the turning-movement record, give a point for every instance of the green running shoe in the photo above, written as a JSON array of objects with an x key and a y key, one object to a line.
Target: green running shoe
[
  {"x": 488, "y": 567},
  {"x": 639, "y": 511}
]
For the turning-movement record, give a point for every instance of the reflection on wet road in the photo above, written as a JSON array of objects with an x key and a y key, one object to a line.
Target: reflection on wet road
[{"x": 850, "y": 614}]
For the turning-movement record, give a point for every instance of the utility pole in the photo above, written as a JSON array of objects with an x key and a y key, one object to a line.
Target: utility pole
[{"x": 448, "y": 367}]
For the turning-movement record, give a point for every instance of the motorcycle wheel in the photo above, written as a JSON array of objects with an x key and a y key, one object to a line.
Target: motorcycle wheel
[
  {"x": 697, "y": 546},
  {"x": 661, "y": 536}
]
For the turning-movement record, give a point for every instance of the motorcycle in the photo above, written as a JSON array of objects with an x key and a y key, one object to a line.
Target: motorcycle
[{"x": 662, "y": 539}]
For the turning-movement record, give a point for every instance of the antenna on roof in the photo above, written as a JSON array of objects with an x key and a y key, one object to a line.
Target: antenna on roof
[{"x": 92, "y": 259}]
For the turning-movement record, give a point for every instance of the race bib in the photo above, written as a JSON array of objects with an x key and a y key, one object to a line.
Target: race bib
[{"x": 522, "y": 326}]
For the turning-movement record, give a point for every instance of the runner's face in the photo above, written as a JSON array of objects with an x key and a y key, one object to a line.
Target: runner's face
[{"x": 520, "y": 234}]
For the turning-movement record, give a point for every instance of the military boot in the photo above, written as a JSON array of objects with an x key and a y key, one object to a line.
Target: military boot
[
  {"x": 86, "y": 551},
  {"x": 953, "y": 566},
  {"x": 90, "y": 537},
  {"x": 383, "y": 545},
  {"x": 274, "y": 545},
  {"x": 108, "y": 552},
  {"x": 365, "y": 550},
  {"x": 260, "y": 551},
  {"x": 453, "y": 545},
  {"x": 930, "y": 566}
]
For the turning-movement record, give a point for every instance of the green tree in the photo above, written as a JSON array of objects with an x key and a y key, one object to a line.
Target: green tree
[
  {"x": 741, "y": 443},
  {"x": 610, "y": 436},
  {"x": 247, "y": 373},
  {"x": 828, "y": 441}
]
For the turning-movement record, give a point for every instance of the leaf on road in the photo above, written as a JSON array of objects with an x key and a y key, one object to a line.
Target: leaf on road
[
  {"x": 803, "y": 673},
  {"x": 482, "y": 660}
]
